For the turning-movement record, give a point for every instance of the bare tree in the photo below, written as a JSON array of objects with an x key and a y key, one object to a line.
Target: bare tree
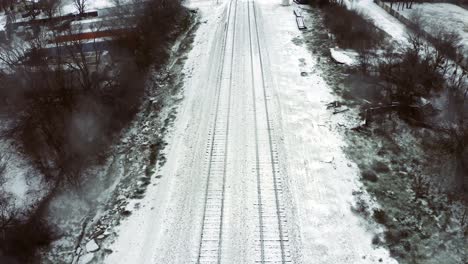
[
  {"x": 6, "y": 5},
  {"x": 32, "y": 7},
  {"x": 50, "y": 7},
  {"x": 80, "y": 5}
]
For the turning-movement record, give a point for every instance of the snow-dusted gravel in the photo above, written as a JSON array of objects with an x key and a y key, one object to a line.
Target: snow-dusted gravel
[{"x": 255, "y": 171}]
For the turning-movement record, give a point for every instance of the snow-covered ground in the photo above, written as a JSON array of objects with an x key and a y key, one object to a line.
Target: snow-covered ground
[
  {"x": 347, "y": 57},
  {"x": 442, "y": 16},
  {"x": 21, "y": 180},
  {"x": 255, "y": 167}
]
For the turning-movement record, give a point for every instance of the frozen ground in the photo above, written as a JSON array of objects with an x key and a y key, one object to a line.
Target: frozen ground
[
  {"x": 255, "y": 169},
  {"x": 442, "y": 15}
]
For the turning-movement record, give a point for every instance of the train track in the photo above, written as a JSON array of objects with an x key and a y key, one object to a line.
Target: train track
[
  {"x": 212, "y": 227},
  {"x": 271, "y": 237},
  {"x": 272, "y": 244}
]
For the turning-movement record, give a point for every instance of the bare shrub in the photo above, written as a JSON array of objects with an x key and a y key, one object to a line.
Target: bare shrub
[
  {"x": 412, "y": 74},
  {"x": 445, "y": 41},
  {"x": 20, "y": 241},
  {"x": 420, "y": 185},
  {"x": 380, "y": 216},
  {"x": 454, "y": 139},
  {"x": 8, "y": 211},
  {"x": 50, "y": 7},
  {"x": 448, "y": 43},
  {"x": 6, "y": 5},
  {"x": 80, "y": 5},
  {"x": 155, "y": 29},
  {"x": 351, "y": 28}
]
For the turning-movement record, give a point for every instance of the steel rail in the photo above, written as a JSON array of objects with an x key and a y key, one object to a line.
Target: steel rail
[
  {"x": 270, "y": 140},
  {"x": 257, "y": 152},
  {"x": 213, "y": 137}
]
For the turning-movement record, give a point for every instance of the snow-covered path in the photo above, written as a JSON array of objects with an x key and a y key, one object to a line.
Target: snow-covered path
[{"x": 255, "y": 172}]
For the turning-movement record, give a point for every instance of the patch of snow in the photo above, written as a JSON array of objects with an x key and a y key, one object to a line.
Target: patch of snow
[
  {"x": 3, "y": 20},
  {"x": 21, "y": 179},
  {"x": 92, "y": 246},
  {"x": 85, "y": 259},
  {"x": 343, "y": 56}
]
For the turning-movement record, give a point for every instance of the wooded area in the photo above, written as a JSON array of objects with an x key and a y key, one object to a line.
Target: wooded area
[{"x": 67, "y": 107}]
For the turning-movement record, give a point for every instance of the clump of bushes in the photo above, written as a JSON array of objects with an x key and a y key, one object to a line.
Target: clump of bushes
[
  {"x": 351, "y": 28},
  {"x": 21, "y": 241},
  {"x": 369, "y": 175},
  {"x": 380, "y": 216}
]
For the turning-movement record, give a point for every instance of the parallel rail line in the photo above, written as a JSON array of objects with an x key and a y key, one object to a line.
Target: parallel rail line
[
  {"x": 272, "y": 243},
  {"x": 267, "y": 234},
  {"x": 257, "y": 154},
  {"x": 211, "y": 234}
]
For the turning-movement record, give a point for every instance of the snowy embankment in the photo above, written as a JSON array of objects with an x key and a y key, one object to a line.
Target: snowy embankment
[
  {"x": 431, "y": 13},
  {"x": 442, "y": 16},
  {"x": 381, "y": 18},
  {"x": 435, "y": 16},
  {"x": 321, "y": 178}
]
